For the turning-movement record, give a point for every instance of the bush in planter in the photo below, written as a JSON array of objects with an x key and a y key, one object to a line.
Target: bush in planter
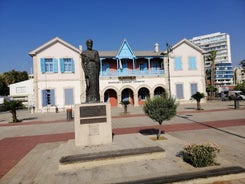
[
  {"x": 125, "y": 104},
  {"x": 200, "y": 155}
]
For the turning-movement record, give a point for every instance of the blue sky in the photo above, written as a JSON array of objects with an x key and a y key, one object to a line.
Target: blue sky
[{"x": 27, "y": 24}]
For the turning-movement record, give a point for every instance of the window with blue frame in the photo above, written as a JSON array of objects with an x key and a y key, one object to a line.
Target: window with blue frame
[
  {"x": 192, "y": 63},
  {"x": 69, "y": 96},
  {"x": 66, "y": 65},
  {"x": 49, "y": 65},
  {"x": 177, "y": 63},
  {"x": 48, "y": 97},
  {"x": 179, "y": 91}
]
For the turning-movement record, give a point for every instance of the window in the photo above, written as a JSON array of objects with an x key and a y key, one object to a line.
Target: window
[
  {"x": 177, "y": 63},
  {"x": 179, "y": 91},
  {"x": 143, "y": 66},
  {"x": 47, "y": 97},
  {"x": 155, "y": 66},
  {"x": 192, "y": 63},
  {"x": 49, "y": 65},
  {"x": 193, "y": 88},
  {"x": 105, "y": 67},
  {"x": 21, "y": 89},
  {"x": 69, "y": 96},
  {"x": 66, "y": 65}
]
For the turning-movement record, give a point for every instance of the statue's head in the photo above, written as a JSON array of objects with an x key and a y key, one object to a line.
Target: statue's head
[{"x": 89, "y": 44}]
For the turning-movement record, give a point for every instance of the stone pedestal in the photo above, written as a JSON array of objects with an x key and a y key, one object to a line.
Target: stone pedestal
[{"x": 92, "y": 124}]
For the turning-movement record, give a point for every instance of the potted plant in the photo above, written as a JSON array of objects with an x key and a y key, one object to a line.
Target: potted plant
[
  {"x": 125, "y": 104},
  {"x": 198, "y": 96}
]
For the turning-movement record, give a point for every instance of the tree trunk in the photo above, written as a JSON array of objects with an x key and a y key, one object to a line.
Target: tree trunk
[
  {"x": 198, "y": 105},
  {"x": 159, "y": 134},
  {"x": 14, "y": 116},
  {"x": 125, "y": 109}
]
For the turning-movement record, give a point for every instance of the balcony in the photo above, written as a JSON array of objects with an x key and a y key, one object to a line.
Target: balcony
[{"x": 131, "y": 73}]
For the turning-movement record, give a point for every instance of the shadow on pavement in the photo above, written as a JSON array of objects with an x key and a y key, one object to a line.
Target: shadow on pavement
[{"x": 200, "y": 123}]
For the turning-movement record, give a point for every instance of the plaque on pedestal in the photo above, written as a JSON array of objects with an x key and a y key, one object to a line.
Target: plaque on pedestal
[{"x": 92, "y": 124}]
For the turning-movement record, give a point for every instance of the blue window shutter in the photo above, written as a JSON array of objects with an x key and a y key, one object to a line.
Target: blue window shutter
[
  {"x": 192, "y": 63},
  {"x": 72, "y": 66},
  {"x": 179, "y": 91},
  {"x": 44, "y": 98},
  {"x": 177, "y": 63},
  {"x": 69, "y": 96},
  {"x": 55, "y": 63},
  {"x": 62, "y": 67},
  {"x": 52, "y": 97},
  {"x": 193, "y": 88},
  {"x": 42, "y": 61}
]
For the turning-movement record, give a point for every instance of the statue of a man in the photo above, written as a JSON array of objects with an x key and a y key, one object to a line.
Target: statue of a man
[{"x": 91, "y": 68}]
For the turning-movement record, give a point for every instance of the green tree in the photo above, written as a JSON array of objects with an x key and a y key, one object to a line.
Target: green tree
[
  {"x": 11, "y": 77},
  {"x": 211, "y": 91},
  {"x": 4, "y": 91},
  {"x": 198, "y": 96},
  {"x": 240, "y": 87},
  {"x": 159, "y": 109},
  {"x": 12, "y": 106}
]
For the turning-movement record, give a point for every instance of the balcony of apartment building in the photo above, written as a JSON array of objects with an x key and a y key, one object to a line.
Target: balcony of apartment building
[{"x": 125, "y": 67}]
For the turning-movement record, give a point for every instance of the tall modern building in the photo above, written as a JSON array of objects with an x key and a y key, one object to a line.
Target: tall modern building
[{"x": 223, "y": 64}]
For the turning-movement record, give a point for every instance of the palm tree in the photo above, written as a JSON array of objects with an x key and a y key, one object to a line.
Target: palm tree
[
  {"x": 198, "y": 96},
  {"x": 12, "y": 106},
  {"x": 159, "y": 109},
  {"x": 211, "y": 57}
]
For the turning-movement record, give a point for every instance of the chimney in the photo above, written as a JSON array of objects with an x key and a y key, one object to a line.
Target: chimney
[
  {"x": 156, "y": 49},
  {"x": 80, "y": 47}
]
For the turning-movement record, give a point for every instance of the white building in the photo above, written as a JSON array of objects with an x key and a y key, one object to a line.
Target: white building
[
  {"x": 239, "y": 75},
  {"x": 221, "y": 43},
  {"x": 22, "y": 91},
  {"x": 125, "y": 74}
]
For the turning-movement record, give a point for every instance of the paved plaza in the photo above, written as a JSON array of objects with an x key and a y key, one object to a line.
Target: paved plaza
[{"x": 30, "y": 150}]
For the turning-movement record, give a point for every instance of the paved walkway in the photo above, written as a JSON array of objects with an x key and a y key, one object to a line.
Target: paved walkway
[{"x": 222, "y": 121}]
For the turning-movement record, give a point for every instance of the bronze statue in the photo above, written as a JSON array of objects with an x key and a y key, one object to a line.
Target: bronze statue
[{"x": 91, "y": 68}]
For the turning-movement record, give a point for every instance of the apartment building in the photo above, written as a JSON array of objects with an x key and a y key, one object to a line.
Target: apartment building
[{"x": 223, "y": 63}]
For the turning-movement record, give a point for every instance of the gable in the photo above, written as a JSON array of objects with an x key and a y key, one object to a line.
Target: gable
[
  {"x": 51, "y": 43},
  {"x": 125, "y": 51}
]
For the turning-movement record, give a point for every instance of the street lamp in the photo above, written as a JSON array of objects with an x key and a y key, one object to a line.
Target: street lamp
[{"x": 169, "y": 50}]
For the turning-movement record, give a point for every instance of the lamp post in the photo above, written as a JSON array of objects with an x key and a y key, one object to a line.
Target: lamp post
[{"x": 169, "y": 50}]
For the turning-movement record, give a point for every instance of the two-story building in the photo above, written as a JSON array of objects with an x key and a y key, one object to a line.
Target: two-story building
[{"x": 125, "y": 74}]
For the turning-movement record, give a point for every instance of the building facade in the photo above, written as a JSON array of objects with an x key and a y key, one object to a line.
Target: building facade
[
  {"x": 219, "y": 42},
  {"x": 239, "y": 75},
  {"x": 125, "y": 74},
  {"x": 22, "y": 91}
]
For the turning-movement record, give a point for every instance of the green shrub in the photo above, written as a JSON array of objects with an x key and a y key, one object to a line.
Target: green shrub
[
  {"x": 159, "y": 109},
  {"x": 200, "y": 155}
]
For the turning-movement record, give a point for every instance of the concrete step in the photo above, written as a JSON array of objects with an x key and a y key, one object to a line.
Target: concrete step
[{"x": 111, "y": 157}]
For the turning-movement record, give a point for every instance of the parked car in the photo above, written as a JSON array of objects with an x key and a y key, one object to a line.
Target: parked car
[{"x": 236, "y": 95}]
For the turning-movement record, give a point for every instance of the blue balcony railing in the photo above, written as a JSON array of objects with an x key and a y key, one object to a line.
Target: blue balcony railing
[{"x": 120, "y": 73}]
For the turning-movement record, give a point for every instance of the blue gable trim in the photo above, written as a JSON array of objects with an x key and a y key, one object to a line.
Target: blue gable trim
[{"x": 125, "y": 51}]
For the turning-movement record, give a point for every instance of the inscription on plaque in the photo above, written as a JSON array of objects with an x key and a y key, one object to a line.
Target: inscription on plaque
[
  {"x": 93, "y": 114},
  {"x": 91, "y": 111},
  {"x": 94, "y": 130}
]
